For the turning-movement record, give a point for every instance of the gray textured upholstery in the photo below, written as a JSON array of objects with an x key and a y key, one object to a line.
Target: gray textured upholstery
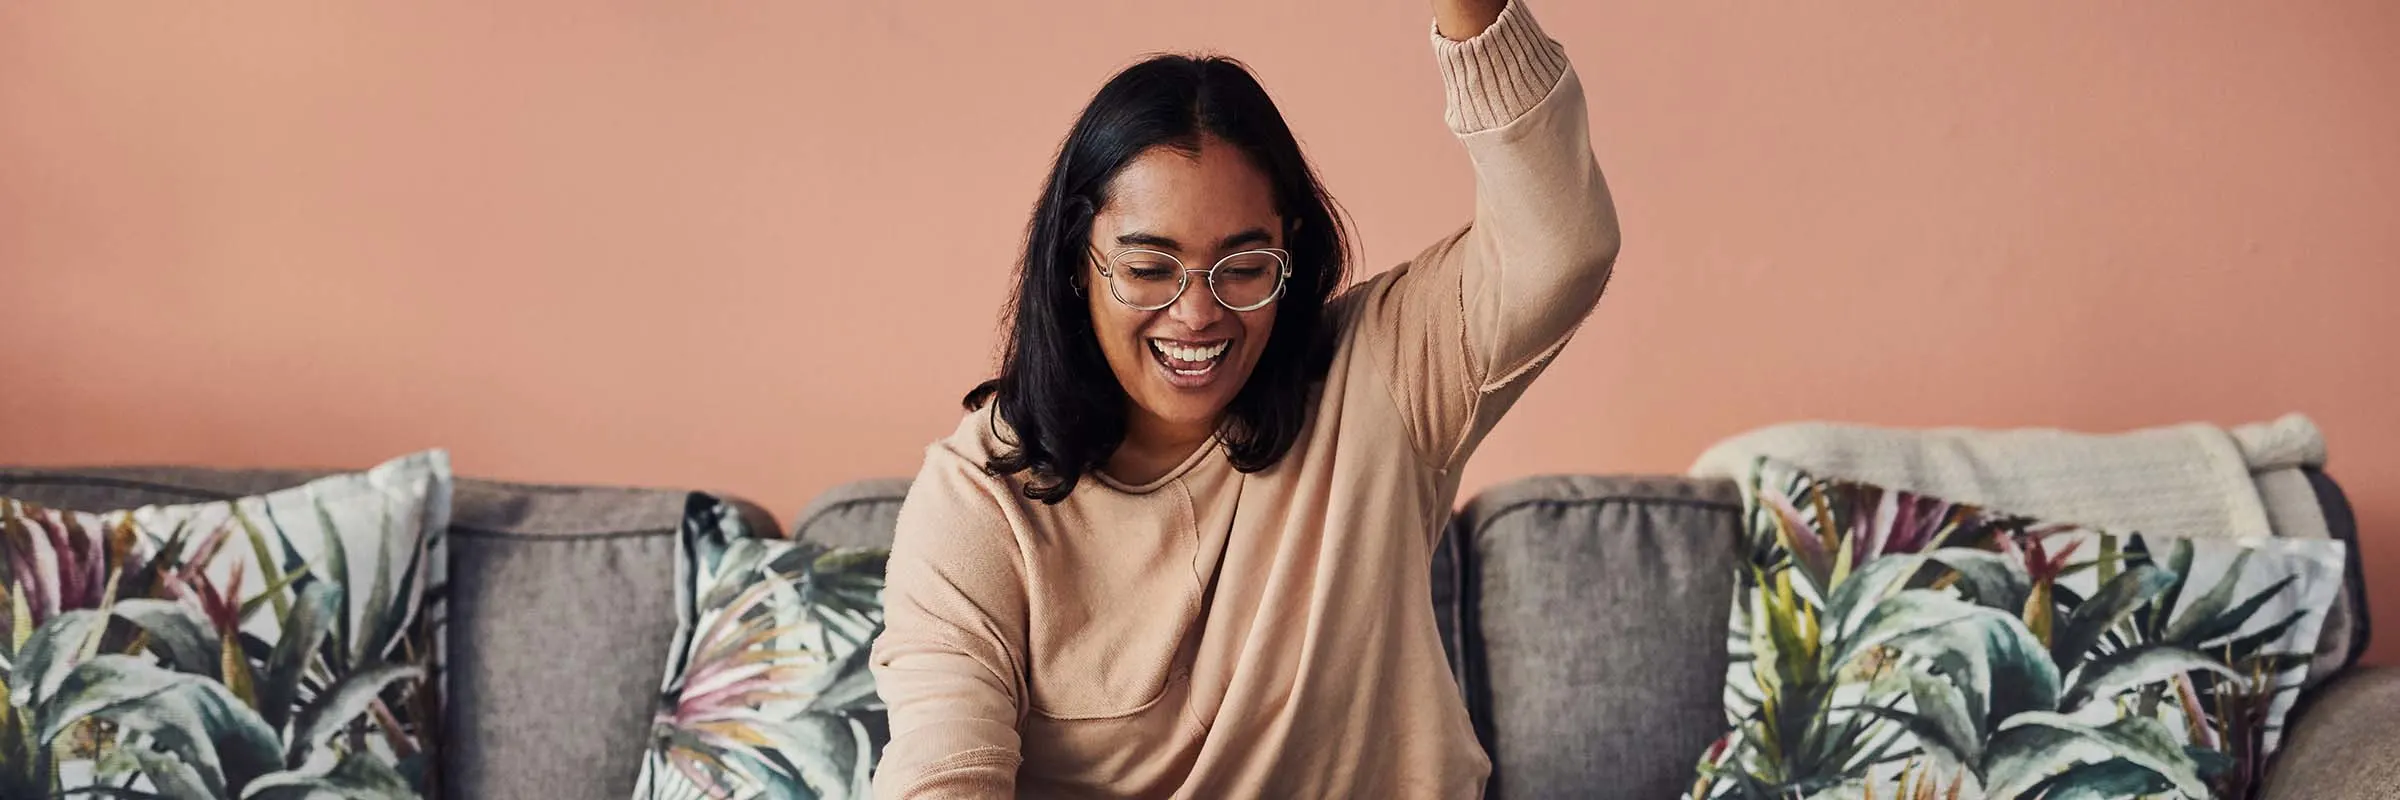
[
  {"x": 857, "y": 514},
  {"x": 2341, "y": 747},
  {"x": 1593, "y": 614},
  {"x": 561, "y": 610},
  {"x": 113, "y": 488},
  {"x": 1446, "y": 599}
]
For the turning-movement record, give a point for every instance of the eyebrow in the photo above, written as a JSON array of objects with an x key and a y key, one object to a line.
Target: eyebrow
[{"x": 1253, "y": 236}]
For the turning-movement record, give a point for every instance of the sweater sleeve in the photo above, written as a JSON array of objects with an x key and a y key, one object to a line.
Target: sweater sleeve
[
  {"x": 949, "y": 663},
  {"x": 1461, "y": 328}
]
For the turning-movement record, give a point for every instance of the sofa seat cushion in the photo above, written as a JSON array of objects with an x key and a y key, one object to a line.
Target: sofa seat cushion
[{"x": 2342, "y": 743}]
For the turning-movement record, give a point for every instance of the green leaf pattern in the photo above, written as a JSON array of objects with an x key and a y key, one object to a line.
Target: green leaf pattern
[
  {"x": 1892, "y": 645},
  {"x": 152, "y": 653}
]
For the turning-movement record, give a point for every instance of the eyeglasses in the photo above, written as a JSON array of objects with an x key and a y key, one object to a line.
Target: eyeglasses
[{"x": 1148, "y": 280}]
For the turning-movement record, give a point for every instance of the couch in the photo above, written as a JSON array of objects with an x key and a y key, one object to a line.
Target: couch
[{"x": 1584, "y": 617}]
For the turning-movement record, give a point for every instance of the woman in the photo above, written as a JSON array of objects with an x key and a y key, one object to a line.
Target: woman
[{"x": 1180, "y": 546}]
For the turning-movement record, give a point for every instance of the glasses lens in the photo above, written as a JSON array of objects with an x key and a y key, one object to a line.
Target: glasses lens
[
  {"x": 1248, "y": 280},
  {"x": 1144, "y": 279}
]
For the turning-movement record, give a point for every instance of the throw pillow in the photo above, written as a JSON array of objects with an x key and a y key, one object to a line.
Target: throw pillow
[
  {"x": 767, "y": 692},
  {"x": 1887, "y": 644},
  {"x": 271, "y": 646}
]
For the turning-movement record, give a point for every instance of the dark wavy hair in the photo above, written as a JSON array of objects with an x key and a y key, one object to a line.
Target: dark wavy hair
[{"x": 1055, "y": 390}]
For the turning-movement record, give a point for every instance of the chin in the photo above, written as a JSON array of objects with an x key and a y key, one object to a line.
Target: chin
[{"x": 1179, "y": 407}]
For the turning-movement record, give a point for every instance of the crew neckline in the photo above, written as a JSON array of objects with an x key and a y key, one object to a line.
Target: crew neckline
[{"x": 1190, "y": 462}]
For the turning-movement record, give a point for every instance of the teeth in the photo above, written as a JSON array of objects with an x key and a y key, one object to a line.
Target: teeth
[{"x": 1184, "y": 353}]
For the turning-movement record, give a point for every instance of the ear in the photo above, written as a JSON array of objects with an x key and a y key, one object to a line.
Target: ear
[{"x": 1084, "y": 266}]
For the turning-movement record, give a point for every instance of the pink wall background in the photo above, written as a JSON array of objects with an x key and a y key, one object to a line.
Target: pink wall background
[{"x": 761, "y": 247}]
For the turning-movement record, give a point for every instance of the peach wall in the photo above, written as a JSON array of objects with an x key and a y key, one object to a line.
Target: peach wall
[{"x": 760, "y": 246}]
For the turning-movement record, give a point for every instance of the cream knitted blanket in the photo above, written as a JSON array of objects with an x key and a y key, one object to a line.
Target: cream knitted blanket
[{"x": 2193, "y": 480}]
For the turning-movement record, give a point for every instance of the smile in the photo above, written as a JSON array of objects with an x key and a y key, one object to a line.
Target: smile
[{"x": 1189, "y": 364}]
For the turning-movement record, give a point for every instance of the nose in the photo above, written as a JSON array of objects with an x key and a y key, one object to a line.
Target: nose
[{"x": 1198, "y": 307}]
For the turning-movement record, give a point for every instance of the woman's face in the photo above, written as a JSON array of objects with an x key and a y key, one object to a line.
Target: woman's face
[{"x": 1182, "y": 364}]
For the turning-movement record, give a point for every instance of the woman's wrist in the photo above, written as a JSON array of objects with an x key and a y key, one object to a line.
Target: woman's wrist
[
  {"x": 1460, "y": 20},
  {"x": 1500, "y": 73}
]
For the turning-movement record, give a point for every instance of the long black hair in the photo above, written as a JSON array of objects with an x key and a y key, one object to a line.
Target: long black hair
[{"x": 1055, "y": 390}]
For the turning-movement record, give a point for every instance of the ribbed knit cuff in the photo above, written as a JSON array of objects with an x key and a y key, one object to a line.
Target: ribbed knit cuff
[{"x": 1499, "y": 74}]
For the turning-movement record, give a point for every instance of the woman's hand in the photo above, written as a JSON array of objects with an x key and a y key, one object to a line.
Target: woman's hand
[{"x": 1460, "y": 20}]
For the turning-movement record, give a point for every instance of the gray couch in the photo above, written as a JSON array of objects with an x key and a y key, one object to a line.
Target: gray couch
[{"x": 1585, "y": 617}]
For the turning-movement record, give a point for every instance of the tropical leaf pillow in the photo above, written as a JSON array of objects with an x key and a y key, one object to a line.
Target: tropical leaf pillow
[
  {"x": 767, "y": 692},
  {"x": 276, "y": 646},
  {"x": 1887, "y": 644}
]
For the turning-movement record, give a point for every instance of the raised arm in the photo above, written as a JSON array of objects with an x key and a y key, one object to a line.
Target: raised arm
[
  {"x": 1463, "y": 326},
  {"x": 949, "y": 663}
]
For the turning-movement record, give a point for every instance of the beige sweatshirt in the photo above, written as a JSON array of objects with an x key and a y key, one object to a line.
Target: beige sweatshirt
[{"x": 1075, "y": 650}]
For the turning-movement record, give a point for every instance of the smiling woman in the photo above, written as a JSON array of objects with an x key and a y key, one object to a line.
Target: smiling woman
[
  {"x": 1183, "y": 355},
  {"x": 1179, "y": 546},
  {"x": 1179, "y": 168}
]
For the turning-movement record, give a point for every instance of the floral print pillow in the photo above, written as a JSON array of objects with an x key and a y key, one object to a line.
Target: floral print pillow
[
  {"x": 276, "y": 646},
  {"x": 1887, "y": 644},
  {"x": 767, "y": 692}
]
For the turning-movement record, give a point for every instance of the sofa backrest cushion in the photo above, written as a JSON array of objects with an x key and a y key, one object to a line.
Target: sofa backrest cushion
[
  {"x": 857, "y": 514},
  {"x": 101, "y": 489},
  {"x": 1592, "y": 612},
  {"x": 560, "y": 615}
]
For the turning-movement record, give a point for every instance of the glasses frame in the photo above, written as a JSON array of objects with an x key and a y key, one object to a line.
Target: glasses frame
[{"x": 1183, "y": 277}]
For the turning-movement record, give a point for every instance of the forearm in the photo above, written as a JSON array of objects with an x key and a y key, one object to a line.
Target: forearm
[
  {"x": 1545, "y": 235},
  {"x": 946, "y": 663},
  {"x": 953, "y": 731}
]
